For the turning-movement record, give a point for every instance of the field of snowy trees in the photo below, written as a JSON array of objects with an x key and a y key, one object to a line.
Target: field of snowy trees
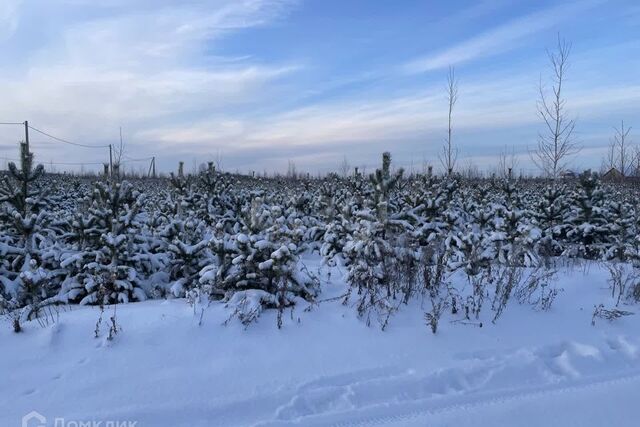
[
  {"x": 240, "y": 240},
  {"x": 248, "y": 254}
]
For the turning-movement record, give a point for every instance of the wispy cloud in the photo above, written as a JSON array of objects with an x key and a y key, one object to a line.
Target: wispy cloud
[
  {"x": 8, "y": 17},
  {"x": 411, "y": 124},
  {"x": 173, "y": 75},
  {"x": 497, "y": 40},
  {"x": 140, "y": 65}
]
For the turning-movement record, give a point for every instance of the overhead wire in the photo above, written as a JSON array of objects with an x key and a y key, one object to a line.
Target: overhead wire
[{"x": 66, "y": 141}]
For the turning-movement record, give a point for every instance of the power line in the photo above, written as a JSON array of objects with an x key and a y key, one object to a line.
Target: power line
[
  {"x": 44, "y": 162},
  {"x": 72, "y": 163},
  {"x": 129, "y": 159},
  {"x": 11, "y": 123},
  {"x": 65, "y": 141}
]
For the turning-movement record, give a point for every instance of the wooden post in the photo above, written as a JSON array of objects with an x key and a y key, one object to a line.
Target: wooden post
[{"x": 26, "y": 134}]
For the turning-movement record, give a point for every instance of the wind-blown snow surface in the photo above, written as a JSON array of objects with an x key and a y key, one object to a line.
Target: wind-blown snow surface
[{"x": 328, "y": 368}]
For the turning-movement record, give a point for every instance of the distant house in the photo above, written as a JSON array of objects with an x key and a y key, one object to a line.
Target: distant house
[
  {"x": 568, "y": 175},
  {"x": 613, "y": 175}
]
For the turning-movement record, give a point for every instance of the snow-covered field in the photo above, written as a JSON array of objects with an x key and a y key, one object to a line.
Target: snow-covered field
[{"x": 326, "y": 367}]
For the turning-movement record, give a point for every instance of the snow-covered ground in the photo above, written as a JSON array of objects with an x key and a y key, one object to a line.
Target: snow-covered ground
[{"x": 326, "y": 367}]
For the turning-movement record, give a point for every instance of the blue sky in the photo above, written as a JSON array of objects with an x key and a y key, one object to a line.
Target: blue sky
[{"x": 257, "y": 83}]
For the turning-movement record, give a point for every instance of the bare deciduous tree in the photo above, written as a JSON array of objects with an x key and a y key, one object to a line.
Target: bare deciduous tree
[
  {"x": 557, "y": 142},
  {"x": 610, "y": 159},
  {"x": 344, "y": 167},
  {"x": 119, "y": 150},
  {"x": 507, "y": 163},
  {"x": 624, "y": 153},
  {"x": 449, "y": 154},
  {"x": 292, "y": 171},
  {"x": 218, "y": 161},
  {"x": 620, "y": 154},
  {"x": 470, "y": 170}
]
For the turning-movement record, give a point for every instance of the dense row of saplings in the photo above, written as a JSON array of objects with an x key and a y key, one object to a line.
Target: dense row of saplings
[{"x": 216, "y": 236}]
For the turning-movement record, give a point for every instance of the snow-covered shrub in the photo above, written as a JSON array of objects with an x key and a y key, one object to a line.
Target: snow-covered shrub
[
  {"x": 106, "y": 274},
  {"x": 23, "y": 284},
  {"x": 550, "y": 211},
  {"x": 457, "y": 246},
  {"x": 378, "y": 249},
  {"x": 587, "y": 222},
  {"x": 254, "y": 264}
]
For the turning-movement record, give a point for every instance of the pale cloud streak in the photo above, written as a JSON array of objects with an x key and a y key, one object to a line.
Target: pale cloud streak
[
  {"x": 155, "y": 67},
  {"x": 499, "y": 39},
  {"x": 140, "y": 66},
  {"x": 8, "y": 17},
  {"x": 411, "y": 123}
]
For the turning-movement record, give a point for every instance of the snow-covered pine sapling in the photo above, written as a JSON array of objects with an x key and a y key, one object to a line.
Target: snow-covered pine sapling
[
  {"x": 550, "y": 212},
  {"x": 588, "y": 223},
  {"x": 370, "y": 253},
  {"x": 622, "y": 218},
  {"x": 82, "y": 242},
  {"x": 39, "y": 293},
  {"x": 21, "y": 205},
  {"x": 182, "y": 190},
  {"x": 515, "y": 235},
  {"x": 20, "y": 194},
  {"x": 117, "y": 206},
  {"x": 384, "y": 182},
  {"x": 211, "y": 195},
  {"x": 254, "y": 273},
  {"x": 188, "y": 250}
]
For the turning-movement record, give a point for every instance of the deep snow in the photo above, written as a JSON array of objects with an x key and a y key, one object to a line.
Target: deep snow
[{"x": 326, "y": 367}]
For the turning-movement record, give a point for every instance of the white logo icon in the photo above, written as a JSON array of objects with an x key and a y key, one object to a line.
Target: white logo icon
[{"x": 40, "y": 420}]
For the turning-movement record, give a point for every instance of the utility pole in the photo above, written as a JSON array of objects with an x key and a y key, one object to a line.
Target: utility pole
[
  {"x": 152, "y": 168},
  {"x": 110, "y": 161},
  {"x": 26, "y": 134}
]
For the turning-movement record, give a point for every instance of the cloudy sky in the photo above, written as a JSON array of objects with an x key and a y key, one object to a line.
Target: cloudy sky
[{"x": 256, "y": 83}]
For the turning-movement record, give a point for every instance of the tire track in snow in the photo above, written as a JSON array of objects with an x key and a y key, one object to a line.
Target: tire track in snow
[
  {"x": 474, "y": 402},
  {"x": 363, "y": 399}
]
